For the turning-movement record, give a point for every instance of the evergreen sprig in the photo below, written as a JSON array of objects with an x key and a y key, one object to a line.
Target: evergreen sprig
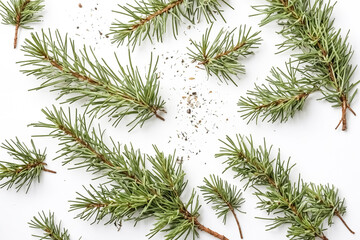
[
  {"x": 304, "y": 206},
  {"x": 20, "y": 13},
  {"x": 51, "y": 230},
  {"x": 280, "y": 99},
  {"x": 148, "y": 18},
  {"x": 84, "y": 76},
  {"x": 224, "y": 197},
  {"x": 221, "y": 56},
  {"x": 141, "y": 186},
  {"x": 324, "y": 59},
  {"x": 28, "y": 167}
]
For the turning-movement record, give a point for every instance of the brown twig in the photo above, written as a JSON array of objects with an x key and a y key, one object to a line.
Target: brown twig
[
  {"x": 220, "y": 55},
  {"x": 234, "y": 49},
  {"x": 343, "y": 221},
  {"x": 298, "y": 97},
  {"x": 34, "y": 165},
  {"x": 157, "y": 13},
  {"x": 48, "y": 170},
  {"x": 18, "y": 19},
  {"x": 201, "y": 227},
  {"x": 237, "y": 222}
]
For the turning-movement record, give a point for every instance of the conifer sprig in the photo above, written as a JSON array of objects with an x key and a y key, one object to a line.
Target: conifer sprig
[
  {"x": 28, "y": 167},
  {"x": 224, "y": 197},
  {"x": 142, "y": 186},
  {"x": 148, "y": 18},
  {"x": 51, "y": 230},
  {"x": 280, "y": 99},
  {"x": 221, "y": 56},
  {"x": 291, "y": 203},
  {"x": 20, "y": 13},
  {"x": 84, "y": 76},
  {"x": 326, "y": 55}
]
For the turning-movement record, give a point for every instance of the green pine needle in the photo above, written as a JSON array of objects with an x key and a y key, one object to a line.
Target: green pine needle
[
  {"x": 20, "y": 13},
  {"x": 284, "y": 95},
  {"x": 81, "y": 75},
  {"x": 325, "y": 56},
  {"x": 51, "y": 230},
  {"x": 28, "y": 167},
  {"x": 148, "y": 18},
  {"x": 221, "y": 56},
  {"x": 304, "y": 206},
  {"x": 224, "y": 197},
  {"x": 141, "y": 186}
]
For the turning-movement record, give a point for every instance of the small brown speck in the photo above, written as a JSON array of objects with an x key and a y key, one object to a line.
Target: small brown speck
[
  {"x": 188, "y": 111},
  {"x": 191, "y": 78},
  {"x": 80, "y": 5}
]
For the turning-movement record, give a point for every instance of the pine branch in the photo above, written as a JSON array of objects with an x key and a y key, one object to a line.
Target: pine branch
[
  {"x": 20, "y": 13},
  {"x": 326, "y": 199},
  {"x": 298, "y": 206},
  {"x": 325, "y": 53},
  {"x": 284, "y": 95},
  {"x": 148, "y": 19},
  {"x": 137, "y": 191},
  {"x": 224, "y": 197},
  {"x": 50, "y": 228},
  {"x": 30, "y": 164},
  {"x": 221, "y": 56},
  {"x": 69, "y": 71}
]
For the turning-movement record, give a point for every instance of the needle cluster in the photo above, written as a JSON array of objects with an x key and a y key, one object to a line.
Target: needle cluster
[
  {"x": 80, "y": 75},
  {"x": 221, "y": 55},
  {"x": 139, "y": 185},
  {"x": 324, "y": 60},
  {"x": 51, "y": 230},
  {"x": 20, "y": 13},
  {"x": 28, "y": 166},
  {"x": 149, "y": 18},
  {"x": 224, "y": 197},
  {"x": 281, "y": 99},
  {"x": 304, "y": 206}
]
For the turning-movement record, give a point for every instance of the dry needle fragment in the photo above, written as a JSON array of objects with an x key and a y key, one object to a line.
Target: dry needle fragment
[
  {"x": 80, "y": 75},
  {"x": 304, "y": 207},
  {"x": 221, "y": 56},
  {"x": 322, "y": 65},
  {"x": 20, "y": 13},
  {"x": 28, "y": 167}
]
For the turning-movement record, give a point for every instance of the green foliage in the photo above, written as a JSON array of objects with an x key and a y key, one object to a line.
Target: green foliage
[
  {"x": 84, "y": 76},
  {"x": 21, "y": 12},
  {"x": 326, "y": 199},
  {"x": 28, "y": 167},
  {"x": 138, "y": 186},
  {"x": 221, "y": 56},
  {"x": 304, "y": 206},
  {"x": 280, "y": 99},
  {"x": 223, "y": 196},
  {"x": 51, "y": 230},
  {"x": 325, "y": 56},
  {"x": 148, "y": 18}
]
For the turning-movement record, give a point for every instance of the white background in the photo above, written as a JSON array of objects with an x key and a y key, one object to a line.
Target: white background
[{"x": 321, "y": 154}]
